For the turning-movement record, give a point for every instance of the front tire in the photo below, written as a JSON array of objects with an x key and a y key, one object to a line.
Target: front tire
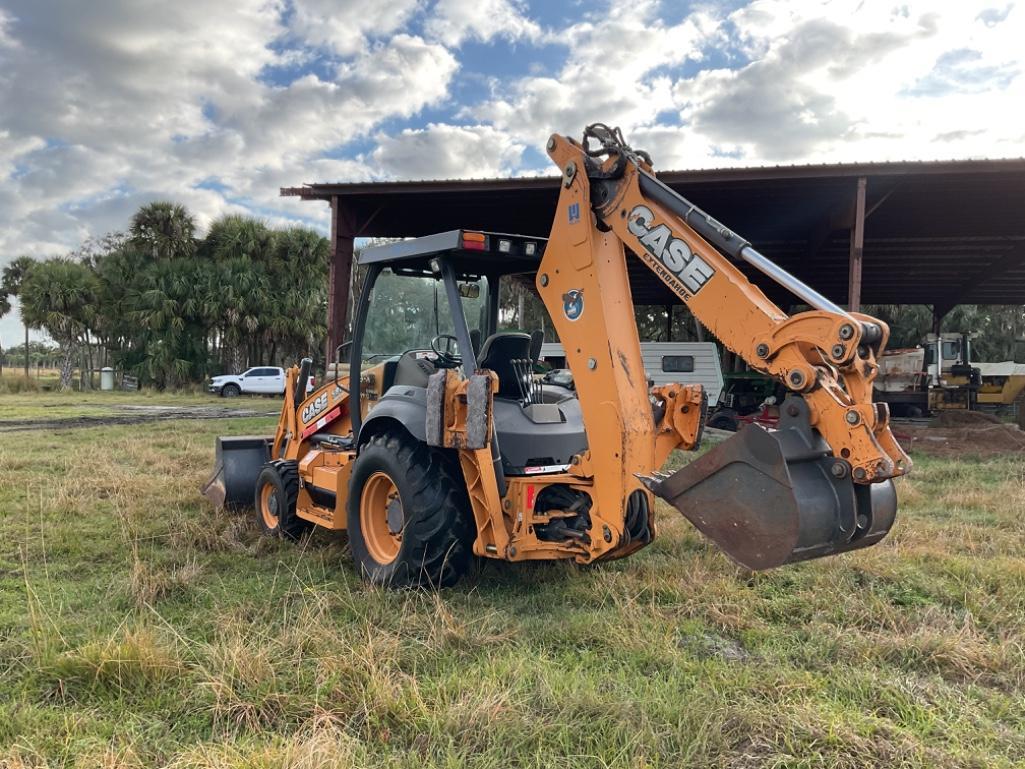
[
  {"x": 277, "y": 489},
  {"x": 409, "y": 518},
  {"x": 231, "y": 391}
]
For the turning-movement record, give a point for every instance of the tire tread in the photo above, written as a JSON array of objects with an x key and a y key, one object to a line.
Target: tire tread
[
  {"x": 438, "y": 533},
  {"x": 290, "y": 525}
]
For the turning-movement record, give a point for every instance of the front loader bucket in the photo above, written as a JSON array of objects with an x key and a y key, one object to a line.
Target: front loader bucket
[
  {"x": 767, "y": 498},
  {"x": 237, "y": 464}
]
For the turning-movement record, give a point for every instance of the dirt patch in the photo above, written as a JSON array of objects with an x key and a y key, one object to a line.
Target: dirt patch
[
  {"x": 951, "y": 418},
  {"x": 983, "y": 438},
  {"x": 132, "y": 415},
  {"x": 709, "y": 645}
]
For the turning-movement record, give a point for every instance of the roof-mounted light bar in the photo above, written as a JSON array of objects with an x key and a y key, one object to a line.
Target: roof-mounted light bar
[{"x": 475, "y": 241}]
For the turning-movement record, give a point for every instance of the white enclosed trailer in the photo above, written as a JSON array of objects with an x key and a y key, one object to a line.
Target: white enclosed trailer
[{"x": 667, "y": 362}]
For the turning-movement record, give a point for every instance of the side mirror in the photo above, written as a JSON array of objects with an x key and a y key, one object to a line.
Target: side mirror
[{"x": 469, "y": 290}]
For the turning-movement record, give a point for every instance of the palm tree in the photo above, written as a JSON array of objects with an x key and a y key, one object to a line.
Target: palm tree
[
  {"x": 59, "y": 295},
  {"x": 11, "y": 283},
  {"x": 164, "y": 230},
  {"x": 166, "y": 314},
  {"x": 5, "y": 307},
  {"x": 241, "y": 249}
]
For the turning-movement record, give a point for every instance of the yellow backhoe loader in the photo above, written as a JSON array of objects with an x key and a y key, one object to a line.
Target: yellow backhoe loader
[{"x": 439, "y": 443}]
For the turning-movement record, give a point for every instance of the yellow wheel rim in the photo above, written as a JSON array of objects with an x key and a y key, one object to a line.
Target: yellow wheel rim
[
  {"x": 380, "y": 518},
  {"x": 269, "y": 506}
]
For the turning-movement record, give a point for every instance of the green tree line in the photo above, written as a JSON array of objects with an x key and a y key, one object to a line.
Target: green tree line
[
  {"x": 43, "y": 354},
  {"x": 170, "y": 307}
]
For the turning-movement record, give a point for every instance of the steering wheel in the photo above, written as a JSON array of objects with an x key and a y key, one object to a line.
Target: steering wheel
[{"x": 443, "y": 346}]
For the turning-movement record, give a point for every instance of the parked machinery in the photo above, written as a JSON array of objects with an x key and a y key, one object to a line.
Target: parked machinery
[{"x": 446, "y": 450}]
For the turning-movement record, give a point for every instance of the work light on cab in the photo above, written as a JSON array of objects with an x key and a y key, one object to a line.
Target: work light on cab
[{"x": 475, "y": 241}]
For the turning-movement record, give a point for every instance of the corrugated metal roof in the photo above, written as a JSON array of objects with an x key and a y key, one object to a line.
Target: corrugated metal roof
[
  {"x": 805, "y": 170},
  {"x": 936, "y": 231}
]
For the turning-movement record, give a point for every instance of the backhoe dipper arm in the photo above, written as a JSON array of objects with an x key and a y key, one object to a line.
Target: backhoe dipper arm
[
  {"x": 818, "y": 485},
  {"x": 827, "y": 354}
]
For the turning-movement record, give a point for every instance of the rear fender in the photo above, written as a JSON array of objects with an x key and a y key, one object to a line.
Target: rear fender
[{"x": 406, "y": 409}]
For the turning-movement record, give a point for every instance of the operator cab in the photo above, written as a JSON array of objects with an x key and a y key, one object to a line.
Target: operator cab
[{"x": 436, "y": 302}]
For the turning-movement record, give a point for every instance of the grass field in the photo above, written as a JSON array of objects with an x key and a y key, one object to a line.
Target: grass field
[
  {"x": 138, "y": 628},
  {"x": 58, "y": 405}
]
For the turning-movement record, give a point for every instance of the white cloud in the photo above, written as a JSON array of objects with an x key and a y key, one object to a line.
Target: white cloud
[
  {"x": 12, "y": 149},
  {"x": 845, "y": 80},
  {"x": 834, "y": 80},
  {"x": 453, "y": 21},
  {"x": 343, "y": 25},
  {"x": 612, "y": 74},
  {"x": 447, "y": 151},
  {"x": 286, "y": 124},
  {"x": 107, "y": 104},
  {"x": 6, "y": 41}
]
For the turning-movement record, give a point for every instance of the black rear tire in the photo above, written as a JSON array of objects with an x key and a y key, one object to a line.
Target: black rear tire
[
  {"x": 435, "y": 545},
  {"x": 231, "y": 391},
  {"x": 277, "y": 489},
  {"x": 723, "y": 422}
]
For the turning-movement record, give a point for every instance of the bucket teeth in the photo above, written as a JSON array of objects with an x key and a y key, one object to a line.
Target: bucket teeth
[
  {"x": 651, "y": 482},
  {"x": 767, "y": 499}
]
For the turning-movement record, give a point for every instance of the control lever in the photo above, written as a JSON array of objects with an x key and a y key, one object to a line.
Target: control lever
[{"x": 530, "y": 391}]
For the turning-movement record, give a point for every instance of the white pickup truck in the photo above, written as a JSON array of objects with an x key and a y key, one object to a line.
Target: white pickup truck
[{"x": 261, "y": 380}]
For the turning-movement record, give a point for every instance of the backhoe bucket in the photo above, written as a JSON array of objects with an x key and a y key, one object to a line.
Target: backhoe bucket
[
  {"x": 237, "y": 464},
  {"x": 767, "y": 498}
]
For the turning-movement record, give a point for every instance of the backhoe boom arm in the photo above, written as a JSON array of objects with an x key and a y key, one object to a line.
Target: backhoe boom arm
[
  {"x": 826, "y": 354},
  {"x": 821, "y": 483}
]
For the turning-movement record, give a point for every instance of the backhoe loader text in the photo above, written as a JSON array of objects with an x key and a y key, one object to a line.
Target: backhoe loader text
[{"x": 672, "y": 252}]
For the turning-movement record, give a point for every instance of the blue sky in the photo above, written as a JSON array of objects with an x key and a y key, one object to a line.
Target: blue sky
[{"x": 108, "y": 104}]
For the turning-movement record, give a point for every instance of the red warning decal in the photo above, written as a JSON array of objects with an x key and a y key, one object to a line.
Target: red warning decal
[{"x": 324, "y": 421}]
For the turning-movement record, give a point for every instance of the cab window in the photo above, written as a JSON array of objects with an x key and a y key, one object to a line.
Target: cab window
[
  {"x": 678, "y": 364},
  {"x": 407, "y": 312},
  {"x": 521, "y": 307}
]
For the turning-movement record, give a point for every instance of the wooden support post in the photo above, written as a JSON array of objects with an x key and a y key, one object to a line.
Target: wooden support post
[
  {"x": 343, "y": 236},
  {"x": 857, "y": 248}
]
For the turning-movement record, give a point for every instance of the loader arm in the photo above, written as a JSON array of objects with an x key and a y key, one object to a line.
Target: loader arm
[{"x": 833, "y": 439}]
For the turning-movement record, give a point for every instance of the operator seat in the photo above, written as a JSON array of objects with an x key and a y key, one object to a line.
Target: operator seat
[
  {"x": 412, "y": 370},
  {"x": 497, "y": 354}
]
